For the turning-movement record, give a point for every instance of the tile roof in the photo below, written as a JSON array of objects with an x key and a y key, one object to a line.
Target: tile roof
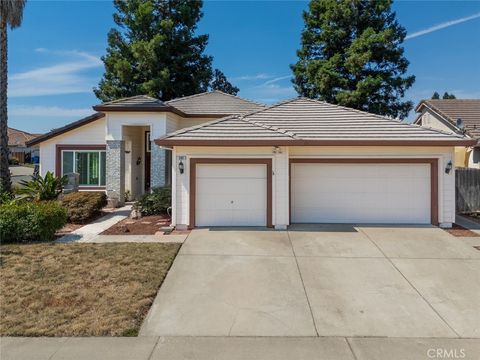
[
  {"x": 137, "y": 103},
  {"x": 303, "y": 121},
  {"x": 452, "y": 109},
  {"x": 19, "y": 137},
  {"x": 214, "y": 103},
  {"x": 232, "y": 127}
]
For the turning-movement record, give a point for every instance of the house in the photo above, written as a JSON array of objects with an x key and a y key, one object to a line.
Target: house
[
  {"x": 112, "y": 149},
  {"x": 17, "y": 148},
  {"x": 232, "y": 162},
  {"x": 306, "y": 161},
  {"x": 445, "y": 114}
]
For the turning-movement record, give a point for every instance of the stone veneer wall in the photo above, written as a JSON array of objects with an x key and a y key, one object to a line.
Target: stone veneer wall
[
  {"x": 115, "y": 170},
  {"x": 158, "y": 166}
]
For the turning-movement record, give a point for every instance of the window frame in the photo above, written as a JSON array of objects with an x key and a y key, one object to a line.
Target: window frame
[
  {"x": 74, "y": 151},
  {"x": 78, "y": 147}
]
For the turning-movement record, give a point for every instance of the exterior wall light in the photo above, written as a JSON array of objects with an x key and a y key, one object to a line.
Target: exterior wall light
[
  {"x": 448, "y": 168},
  {"x": 181, "y": 167}
]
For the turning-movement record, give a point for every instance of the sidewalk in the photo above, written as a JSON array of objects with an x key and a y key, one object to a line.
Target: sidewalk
[{"x": 238, "y": 348}]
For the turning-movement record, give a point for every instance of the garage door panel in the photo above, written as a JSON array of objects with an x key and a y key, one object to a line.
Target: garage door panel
[
  {"x": 368, "y": 193},
  {"x": 231, "y": 195}
]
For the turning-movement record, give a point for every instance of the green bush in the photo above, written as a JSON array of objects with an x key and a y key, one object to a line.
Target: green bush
[
  {"x": 155, "y": 203},
  {"x": 82, "y": 206},
  {"x": 30, "y": 221},
  {"x": 42, "y": 188}
]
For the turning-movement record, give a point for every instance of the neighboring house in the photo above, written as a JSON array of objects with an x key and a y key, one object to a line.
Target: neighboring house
[
  {"x": 306, "y": 161},
  {"x": 17, "y": 148},
  {"x": 112, "y": 149},
  {"x": 445, "y": 114}
]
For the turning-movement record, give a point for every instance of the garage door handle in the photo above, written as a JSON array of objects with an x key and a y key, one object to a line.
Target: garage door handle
[{"x": 231, "y": 201}]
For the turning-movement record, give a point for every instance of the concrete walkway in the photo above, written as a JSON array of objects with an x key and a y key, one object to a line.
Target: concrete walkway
[
  {"x": 235, "y": 348},
  {"x": 88, "y": 232}
]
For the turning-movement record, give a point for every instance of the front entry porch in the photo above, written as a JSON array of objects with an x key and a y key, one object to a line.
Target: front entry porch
[{"x": 134, "y": 165}]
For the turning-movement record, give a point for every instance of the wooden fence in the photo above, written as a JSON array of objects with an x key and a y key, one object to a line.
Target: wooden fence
[{"x": 467, "y": 190}]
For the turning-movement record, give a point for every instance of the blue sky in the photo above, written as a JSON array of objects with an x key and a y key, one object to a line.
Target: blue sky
[{"x": 54, "y": 58}]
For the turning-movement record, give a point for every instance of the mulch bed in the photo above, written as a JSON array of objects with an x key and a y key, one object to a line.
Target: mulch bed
[
  {"x": 147, "y": 225},
  {"x": 460, "y": 231}
]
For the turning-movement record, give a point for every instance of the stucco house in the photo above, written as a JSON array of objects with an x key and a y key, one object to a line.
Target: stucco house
[
  {"x": 458, "y": 116},
  {"x": 232, "y": 162},
  {"x": 112, "y": 149}
]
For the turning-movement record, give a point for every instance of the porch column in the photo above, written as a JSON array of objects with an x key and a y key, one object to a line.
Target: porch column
[
  {"x": 115, "y": 172},
  {"x": 158, "y": 166}
]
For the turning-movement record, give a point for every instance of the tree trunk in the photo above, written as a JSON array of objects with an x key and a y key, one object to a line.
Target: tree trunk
[{"x": 5, "y": 181}]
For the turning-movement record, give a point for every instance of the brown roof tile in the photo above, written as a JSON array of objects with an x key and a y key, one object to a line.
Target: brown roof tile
[
  {"x": 19, "y": 137},
  {"x": 452, "y": 109}
]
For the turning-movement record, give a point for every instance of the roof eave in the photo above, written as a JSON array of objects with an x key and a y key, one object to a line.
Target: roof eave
[
  {"x": 64, "y": 129},
  {"x": 300, "y": 142}
]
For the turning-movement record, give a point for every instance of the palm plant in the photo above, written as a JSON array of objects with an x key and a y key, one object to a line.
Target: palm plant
[
  {"x": 11, "y": 13},
  {"x": 42, "y": 188}
]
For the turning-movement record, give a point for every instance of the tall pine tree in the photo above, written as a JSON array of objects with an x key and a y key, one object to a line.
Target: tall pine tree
[
  {"x": 155, "y": 51},
  {"x": 351, "y": 55},
  {"x": 220, "y": 82}
]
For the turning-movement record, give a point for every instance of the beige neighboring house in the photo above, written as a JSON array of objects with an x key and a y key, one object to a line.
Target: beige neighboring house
[
  {"x": 445, "y": 114},
  {"x": 17, "y": 147}
]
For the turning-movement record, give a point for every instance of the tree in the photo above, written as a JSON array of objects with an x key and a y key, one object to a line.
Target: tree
[
  {"x": 446, "y": 95},
  {"x": 221, "y": 83},
  {"x": 351, "y": 55},
  {"x": 155, "y": 51},
  {"x": 11, "y": 14},
  {"x": 436, "y": 96}
]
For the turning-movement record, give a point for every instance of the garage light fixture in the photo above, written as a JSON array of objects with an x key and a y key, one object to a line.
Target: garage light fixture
[
  {"x": 181, "y": 166},
  {"x": 448, "y": 168}
]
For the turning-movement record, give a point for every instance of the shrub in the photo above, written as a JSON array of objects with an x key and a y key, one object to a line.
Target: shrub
[
  {"x": 42, "y": 188},
  {"x": 82, "y": 206},
  {"x": 30, "y": 221},
  {"x": 155, "y": 203}
]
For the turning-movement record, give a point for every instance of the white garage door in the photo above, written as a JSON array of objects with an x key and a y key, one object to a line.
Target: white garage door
[
  {"x": 360, "y": 193},
  {"x": 231, "y": 195}
]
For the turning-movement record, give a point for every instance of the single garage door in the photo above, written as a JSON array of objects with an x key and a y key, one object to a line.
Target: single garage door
[
  {"x": 231, "y": 195},
  {"x": 360, "y": 193}
]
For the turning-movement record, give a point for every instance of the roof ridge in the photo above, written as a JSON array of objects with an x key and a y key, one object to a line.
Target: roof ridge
[
  {"x": 241, "y": 98},
  {"x": 199, "y": 126},
  {"x": 129, "y": 98},
  {"x": 351, "y": 109},
  {"x": 272, "y": 128},
  {"x": 211, "y": 92},
  {"x": 187, "y": 97}
]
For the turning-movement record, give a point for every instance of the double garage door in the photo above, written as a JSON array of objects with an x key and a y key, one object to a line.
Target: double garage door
[{"x": 237, "y": 194}]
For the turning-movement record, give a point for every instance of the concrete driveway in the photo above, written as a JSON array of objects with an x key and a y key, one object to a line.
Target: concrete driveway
[{"x": 320, "y": 280}]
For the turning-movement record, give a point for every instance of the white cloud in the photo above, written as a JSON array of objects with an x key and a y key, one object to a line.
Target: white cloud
[
  {"x": 441, "y": 26},
  {"x": 261, "y": 76},
  {"x": 66, "y": 77},
  {"x": 47, "y": 111},
  {"x": 277, "y": 79}
]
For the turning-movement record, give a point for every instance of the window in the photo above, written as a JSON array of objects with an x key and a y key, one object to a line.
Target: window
[{"x": 89, "y": 164}]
